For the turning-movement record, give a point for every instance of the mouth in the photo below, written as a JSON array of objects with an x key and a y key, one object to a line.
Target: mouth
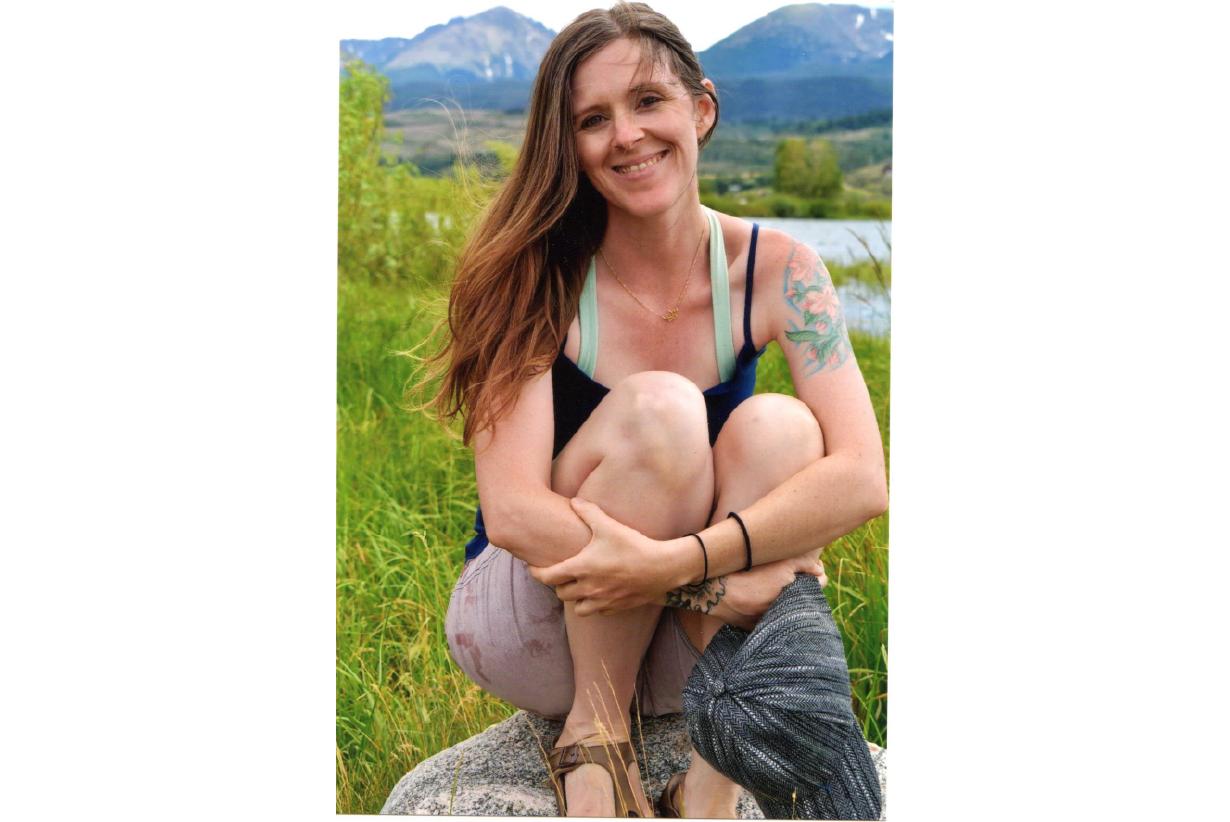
[{"x": 642, "y": 164}]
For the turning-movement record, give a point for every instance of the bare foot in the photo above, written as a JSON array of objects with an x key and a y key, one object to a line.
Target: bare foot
[
  {"x": 713, "y": 805},
  {"x": 707, "y": 794},
  {"x": 591, "y": 791}
]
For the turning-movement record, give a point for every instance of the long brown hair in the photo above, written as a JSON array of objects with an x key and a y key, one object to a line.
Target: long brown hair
[{"x": 519, "y": 277}]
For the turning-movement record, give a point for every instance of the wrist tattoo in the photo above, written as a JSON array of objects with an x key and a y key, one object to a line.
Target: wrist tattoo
[{"x": 703, "y": 596}]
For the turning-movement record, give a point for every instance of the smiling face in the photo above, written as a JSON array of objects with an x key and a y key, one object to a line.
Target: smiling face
[{"x": 637, "y": 129}]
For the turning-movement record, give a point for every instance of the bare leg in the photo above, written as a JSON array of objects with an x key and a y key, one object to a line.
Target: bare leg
[
  {"x": 643, "y": 457},
  {"x": 768, "y": 439}
]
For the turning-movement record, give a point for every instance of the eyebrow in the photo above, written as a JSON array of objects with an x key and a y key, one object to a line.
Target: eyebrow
[{"x": 637, "y": 89}]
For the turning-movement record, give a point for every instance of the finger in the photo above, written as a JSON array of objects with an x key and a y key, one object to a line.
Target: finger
[
  {"x": 557, "y": 574},
  {"x": 590, "y": 607},
  {"x": 590, "y": 513},
  {"x": 569, "y": 591},
  {"x": 805, "y": 565},
  {"x": 821, "y": 575}
]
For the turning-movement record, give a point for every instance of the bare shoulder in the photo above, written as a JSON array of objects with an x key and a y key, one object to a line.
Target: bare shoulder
[
  {"x": 802, "y": 308},
  {"x": 782, "y": 262},
  {"x": 777, "y": 255},
  {"x": 774, "y": 249},
  {"x": 737, "y": 234}
]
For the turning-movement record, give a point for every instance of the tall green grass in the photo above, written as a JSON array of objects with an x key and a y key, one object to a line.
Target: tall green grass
[{"x": 406, "y": 495}]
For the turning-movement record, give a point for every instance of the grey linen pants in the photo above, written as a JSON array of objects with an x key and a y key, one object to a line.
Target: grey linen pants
[
  {"x": 505, "y": 630},
  {"x": 771, "y": 710}
]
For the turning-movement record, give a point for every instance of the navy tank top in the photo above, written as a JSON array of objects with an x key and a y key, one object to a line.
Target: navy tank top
[{"x": 576, "y": 395}]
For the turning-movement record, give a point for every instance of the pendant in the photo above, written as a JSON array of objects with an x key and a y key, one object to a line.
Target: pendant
[{"x": 670, "y": 315}]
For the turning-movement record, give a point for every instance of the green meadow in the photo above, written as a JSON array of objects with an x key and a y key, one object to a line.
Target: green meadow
[{"x": 405, "y": 487}]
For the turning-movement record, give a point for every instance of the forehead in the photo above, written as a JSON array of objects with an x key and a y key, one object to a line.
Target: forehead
[{"x": 614, "y": 69}]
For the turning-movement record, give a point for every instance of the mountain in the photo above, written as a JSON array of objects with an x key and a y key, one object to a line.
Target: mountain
[
  {"x": 807, "y": 40},
  {"x": 811, "y": 98},
  {"x": 807, "y": 61},
  {"x": 376, "y": 52},
  {"x": 498, "y": 44}
]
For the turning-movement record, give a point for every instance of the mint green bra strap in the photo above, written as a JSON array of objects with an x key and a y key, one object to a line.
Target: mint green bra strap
[
  {"x": 588, "y": 318},
  {"x": 587, "y": 358},
  {"x": 720, "y": 280}
]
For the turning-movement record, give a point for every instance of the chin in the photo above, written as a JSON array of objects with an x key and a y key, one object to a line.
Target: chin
[{"x": 645, "y": 204}]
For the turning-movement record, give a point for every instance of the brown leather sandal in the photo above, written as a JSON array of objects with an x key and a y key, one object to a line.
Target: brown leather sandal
[
  {"x": 614, "y": 758},
  {"x": 670, "y": 803}
]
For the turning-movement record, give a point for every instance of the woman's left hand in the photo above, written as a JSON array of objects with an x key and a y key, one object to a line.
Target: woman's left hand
[{"x": 619, "y": 567}]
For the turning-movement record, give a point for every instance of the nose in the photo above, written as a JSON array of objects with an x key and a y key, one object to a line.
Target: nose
[{"x": 626, "y": 131}]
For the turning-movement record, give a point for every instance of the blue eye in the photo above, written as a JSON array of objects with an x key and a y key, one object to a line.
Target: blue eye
[
  {"x": 591, "y": 121},
  {"x": 650, "y": 99}
]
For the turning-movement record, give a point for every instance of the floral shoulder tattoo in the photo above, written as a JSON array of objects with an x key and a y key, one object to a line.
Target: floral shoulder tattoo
[{"x": 820, "y": 328}]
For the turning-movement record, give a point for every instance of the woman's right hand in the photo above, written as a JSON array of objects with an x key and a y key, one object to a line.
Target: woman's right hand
[{"x": 750, "y": 593}]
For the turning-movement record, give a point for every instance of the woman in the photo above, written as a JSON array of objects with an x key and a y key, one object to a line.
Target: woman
[{"x": 603, "y": 468}]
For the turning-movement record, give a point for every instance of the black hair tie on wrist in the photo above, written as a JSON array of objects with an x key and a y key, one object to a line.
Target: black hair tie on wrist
[
  {"x": 747, "y": 541},
  {"x": 704, "y": 553}
]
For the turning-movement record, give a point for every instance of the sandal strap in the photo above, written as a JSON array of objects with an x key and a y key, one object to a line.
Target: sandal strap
[
  {"x": 613, "y": 757},
  {"x": 668, "y": 807}
]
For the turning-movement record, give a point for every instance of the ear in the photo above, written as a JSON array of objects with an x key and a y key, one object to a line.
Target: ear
[{"x": 705, "y": 111}]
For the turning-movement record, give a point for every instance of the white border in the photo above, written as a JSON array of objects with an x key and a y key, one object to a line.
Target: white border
[{"x": 1059, "y": 437}]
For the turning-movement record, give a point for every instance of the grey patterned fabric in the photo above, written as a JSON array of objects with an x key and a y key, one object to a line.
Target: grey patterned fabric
[{"x": 771, "y": 710}]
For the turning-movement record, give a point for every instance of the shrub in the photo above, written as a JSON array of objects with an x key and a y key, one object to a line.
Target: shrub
[
  {"x": 807, "y": 168},
  {"x": 393, "y": 223}
]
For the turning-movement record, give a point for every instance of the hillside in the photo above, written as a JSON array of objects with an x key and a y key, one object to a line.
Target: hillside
[
  {"x": 807, "y": 40},
  {"x": 431, "y": 135},
  {"x": 498, "y": 44}
]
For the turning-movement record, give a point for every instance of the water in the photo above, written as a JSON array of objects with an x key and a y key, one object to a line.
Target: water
[
  {"x": 866, "y": 308},
  {"x": 835, "y": 240}
]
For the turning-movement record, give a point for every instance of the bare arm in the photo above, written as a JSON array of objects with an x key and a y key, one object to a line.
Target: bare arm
[
  {"x": 824, "y": 501},
  {"x": 741, "y": 599},
  {"x": 512, "y": 466},
  {"x": 843, "y": 489}
]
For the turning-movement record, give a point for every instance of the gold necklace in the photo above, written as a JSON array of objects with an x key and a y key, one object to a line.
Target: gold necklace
[{"x": 674, "y": 312}]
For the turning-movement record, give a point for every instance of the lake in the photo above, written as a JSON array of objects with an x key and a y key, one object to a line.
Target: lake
[
  {"x": 835, "y": 240},
  {"x": 866, "y": 309}
]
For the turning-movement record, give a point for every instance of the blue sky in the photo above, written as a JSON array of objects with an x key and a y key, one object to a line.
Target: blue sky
[{"x": 703, "y": 22}]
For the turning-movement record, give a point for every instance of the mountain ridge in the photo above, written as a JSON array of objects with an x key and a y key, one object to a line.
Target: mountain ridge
[
  {"x": 497, "y": 44},
  {"x": 806, "y": 39},
  {"x": 489, "y": 60}
]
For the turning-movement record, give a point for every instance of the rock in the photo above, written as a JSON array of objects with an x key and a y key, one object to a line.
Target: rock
[{"x": 502, "y": 770}]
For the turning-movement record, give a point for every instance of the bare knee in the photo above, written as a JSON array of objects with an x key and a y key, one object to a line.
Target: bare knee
[
  {"x": 663, "y": 426},
  {"x": 770, "y": 437}
]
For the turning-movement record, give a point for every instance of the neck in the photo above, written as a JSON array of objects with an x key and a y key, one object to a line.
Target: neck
[{"x": 657, "y": 251}]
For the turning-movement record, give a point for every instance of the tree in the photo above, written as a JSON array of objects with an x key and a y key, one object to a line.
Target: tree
[{"x": 807, "y": 168}]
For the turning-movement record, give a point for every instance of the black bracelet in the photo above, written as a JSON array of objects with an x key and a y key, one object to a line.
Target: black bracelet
[
  {"x": 704, "y": 553},
  {"x": 747, "y": 541}
]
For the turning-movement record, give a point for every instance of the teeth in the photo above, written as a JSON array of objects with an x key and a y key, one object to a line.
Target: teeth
[{"x": 651, "y": 161}]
